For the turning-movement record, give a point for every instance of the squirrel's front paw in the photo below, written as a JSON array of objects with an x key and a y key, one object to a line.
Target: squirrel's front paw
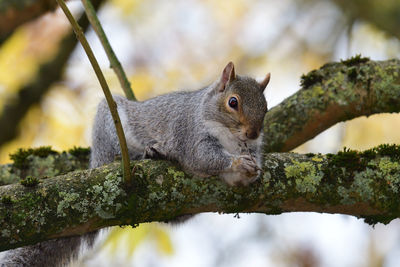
[
  {"x": 244, "y": 170},
  {"x": 245, "y": 165}
]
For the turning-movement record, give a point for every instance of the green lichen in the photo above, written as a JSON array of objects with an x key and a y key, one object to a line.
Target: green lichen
[
  {"x": 386, "y": 90},
  {"x": 69, "y": 201},
  {"x": 356, "y": 60},
  {"x": 317, "y": 92},
  {"x": 42, "y": 167},
  {"x": 33, "y": 211},
  {"x": 317, "y": 158},
  {"x": 30, "y": 181},
  {"x": 104, "y": 197},
  {"x": 7, "y": 176},
  {"x": 367, "y": 176},
  {"x": 104, "y": 200},
  {"x": 306, "y": 176},
  {"x": 345, "y": 198},
  {"x": 176, "y": 195},
  {"x": 176, "y": 174},
  {"x": 363, "y": 184},
  {"x": 390, "y": 172},
  {"x": 39, "y": 217},
  {"x": 371, "y": 176},
  {"x": 272, "y": 164}
]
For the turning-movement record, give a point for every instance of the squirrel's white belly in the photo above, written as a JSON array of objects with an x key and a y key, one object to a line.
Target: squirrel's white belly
[{"x": 224, "y": 136}]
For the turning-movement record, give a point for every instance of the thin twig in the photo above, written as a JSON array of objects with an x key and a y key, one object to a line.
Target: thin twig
[
  {"x": 110, "y": 101},
  {"x": 114, "y": 62}
]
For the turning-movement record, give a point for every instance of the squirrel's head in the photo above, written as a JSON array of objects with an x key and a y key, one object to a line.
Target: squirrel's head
[{"x": 242, "y": 102}]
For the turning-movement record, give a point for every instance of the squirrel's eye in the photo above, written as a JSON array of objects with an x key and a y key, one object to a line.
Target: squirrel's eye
[{"x": 233, "y": 102}]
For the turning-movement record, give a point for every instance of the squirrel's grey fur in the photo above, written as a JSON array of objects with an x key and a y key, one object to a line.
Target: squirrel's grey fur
[
  {"x": 57, "y": 252},
  {"x": 197, "y": 129}
]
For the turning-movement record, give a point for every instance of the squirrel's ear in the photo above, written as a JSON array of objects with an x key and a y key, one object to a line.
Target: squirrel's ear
[
  {"x": 228, "y": 75},
  {"x": 265, "y": 82}
]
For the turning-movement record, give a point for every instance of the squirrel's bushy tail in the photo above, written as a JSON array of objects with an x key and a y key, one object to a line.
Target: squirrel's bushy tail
[{"x": 57, "y": 252}]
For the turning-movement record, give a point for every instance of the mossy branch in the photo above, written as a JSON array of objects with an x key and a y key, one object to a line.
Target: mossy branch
[
  {"x": 363, "y": 184},
  {"x": 336, "y": 92},
  {"x": 114, "y": 62},
  {"x": 107, "y": 93}
]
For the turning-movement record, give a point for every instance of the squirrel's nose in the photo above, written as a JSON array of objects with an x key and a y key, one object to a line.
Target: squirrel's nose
[{"x": 252, "y": 134}]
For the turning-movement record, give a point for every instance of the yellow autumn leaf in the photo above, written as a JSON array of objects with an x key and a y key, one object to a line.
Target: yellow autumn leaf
[
  {"x": 113, "y": 239},
  {"x": 163, "y": 240},
  {"x": 135, "y": 237},
  {"x": 127, "y": 239}
]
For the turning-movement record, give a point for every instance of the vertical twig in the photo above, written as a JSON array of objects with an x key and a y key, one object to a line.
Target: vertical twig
[
  {"x": 110, "y": 101},
  {"x": 114, "y": 63}
]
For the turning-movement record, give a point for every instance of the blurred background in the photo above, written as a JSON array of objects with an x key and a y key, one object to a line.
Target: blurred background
[{"x": 184, "y": 44}]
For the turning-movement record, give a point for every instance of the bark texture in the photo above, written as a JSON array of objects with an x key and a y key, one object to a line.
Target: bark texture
[
  {"x": 336, "y": 92},
  {"x": 363, "y": 184}
]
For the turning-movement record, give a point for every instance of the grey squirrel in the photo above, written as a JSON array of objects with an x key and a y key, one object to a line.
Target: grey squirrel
[{"x": 212, "y": 131}]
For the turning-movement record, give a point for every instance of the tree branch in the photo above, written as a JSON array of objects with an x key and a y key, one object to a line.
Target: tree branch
[
  {"x": 107, "y": 93},
  {"x": 336, "y": 92},
  {"x": 363, "y": 184},
  {"x": 114, "y": 62}
]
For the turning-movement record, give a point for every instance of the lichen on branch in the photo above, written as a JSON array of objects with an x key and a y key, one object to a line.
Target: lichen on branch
[
  {"x": 364, "y": 184},
  {"x": 334, "y": 93}
]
